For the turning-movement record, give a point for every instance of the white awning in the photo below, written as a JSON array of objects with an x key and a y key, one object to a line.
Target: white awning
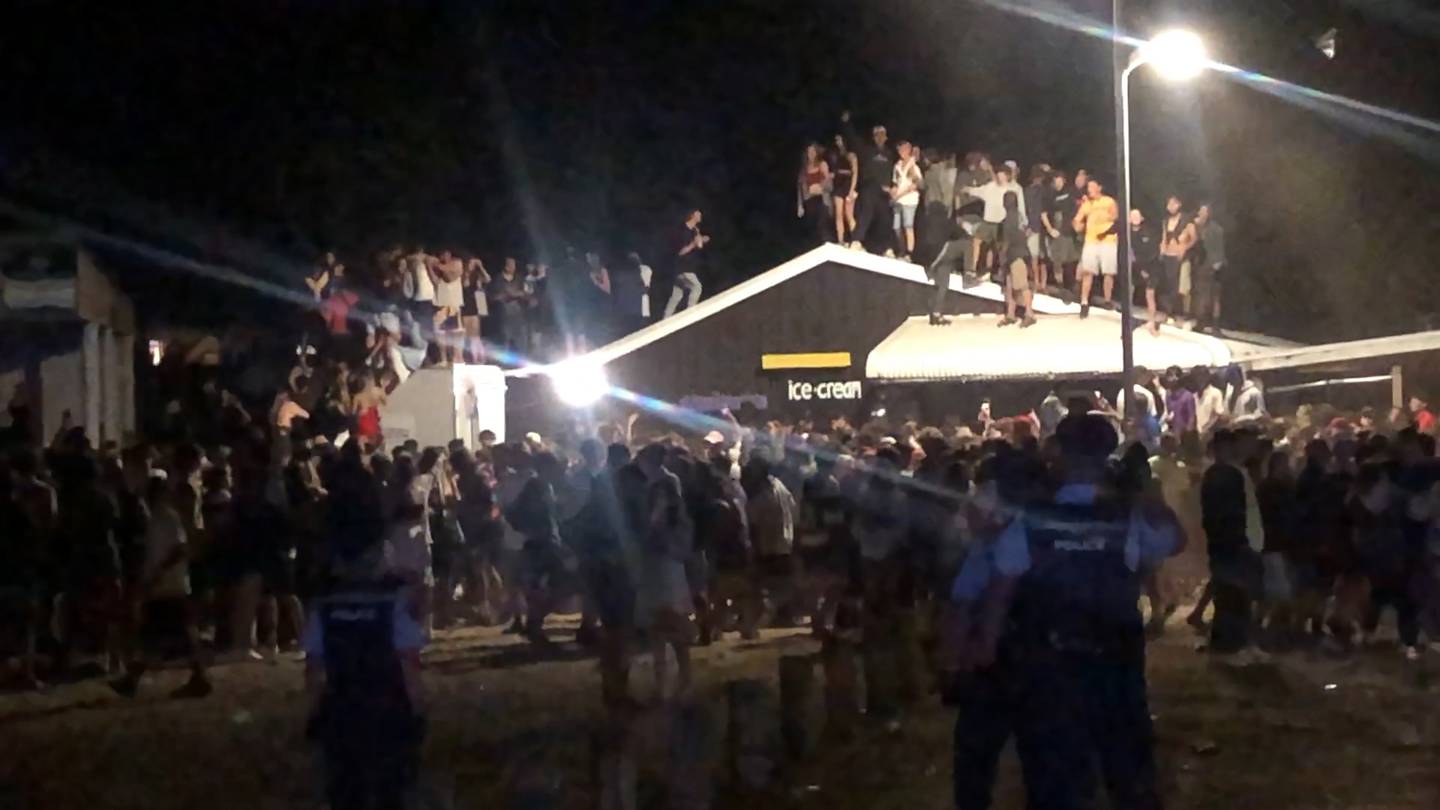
[
  {"x": 972, "y": 347},
  {"x": 1343, "y": 352}
]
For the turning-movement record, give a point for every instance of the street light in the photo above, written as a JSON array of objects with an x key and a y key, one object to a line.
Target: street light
[
  {"x": 578, "y": 383},
  {"x": 1177, "y": 55}
]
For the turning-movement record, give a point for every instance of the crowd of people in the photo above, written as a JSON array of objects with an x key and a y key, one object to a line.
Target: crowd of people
[
  {"x": 1054, "y": 234},
  {"x": 411, "y": 308},
  {"x": 1313, "y": 526}
]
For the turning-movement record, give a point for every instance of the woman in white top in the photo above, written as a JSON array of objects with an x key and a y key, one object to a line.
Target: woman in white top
[{"x": 449, "y": 298}]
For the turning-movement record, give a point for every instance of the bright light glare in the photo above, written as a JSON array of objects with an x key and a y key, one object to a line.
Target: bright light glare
[
  {"x": 1176, "y": 55},
  {"x": 578, "y": 384}
]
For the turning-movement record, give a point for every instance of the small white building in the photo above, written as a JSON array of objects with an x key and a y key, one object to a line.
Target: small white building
[{"x": 67, "y": 338}]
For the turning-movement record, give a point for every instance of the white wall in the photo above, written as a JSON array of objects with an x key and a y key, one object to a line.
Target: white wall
[{"x": 62, "y": 381}]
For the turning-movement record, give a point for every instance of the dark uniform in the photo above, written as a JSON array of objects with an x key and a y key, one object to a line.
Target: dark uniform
[
  {"x": 366, "y": 725},
  {"x": 1069, "y": 675},
  {"x": 1077, "y": 622}
]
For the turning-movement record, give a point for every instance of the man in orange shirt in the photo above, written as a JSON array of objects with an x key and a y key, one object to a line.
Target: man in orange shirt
[{"x": 1097, "y": 218}]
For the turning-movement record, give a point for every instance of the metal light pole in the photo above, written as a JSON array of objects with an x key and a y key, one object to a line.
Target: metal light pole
[
  {"x": 1177, "y": 55},
  {"x": 1125, "y": 64}
]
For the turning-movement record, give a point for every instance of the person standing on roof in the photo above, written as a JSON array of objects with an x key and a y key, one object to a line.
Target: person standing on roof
[{"x": 690, "y": 251}]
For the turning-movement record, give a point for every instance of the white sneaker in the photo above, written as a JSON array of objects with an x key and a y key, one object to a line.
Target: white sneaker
[
  {"x": 1412, "y": 654},
  {"x": 856, "y": 245},
  {"x": 889, "y": 253}
]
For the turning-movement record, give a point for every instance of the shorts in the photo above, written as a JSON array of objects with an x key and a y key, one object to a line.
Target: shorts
[
  {"x": 423, "y": 311},
  {"x": 1018, "y": 279},
  {"x": 1034, "y": 243},
  {"x": 1167, "y": 280},
  {"x": 987, "y": 232},
  {"x": 1061, "y": 249},
  {"x": 904, "y": 215},
  {"x": 1100, "y": 257}
]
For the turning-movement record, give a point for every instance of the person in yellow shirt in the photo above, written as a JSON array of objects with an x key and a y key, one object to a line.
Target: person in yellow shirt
[{"x": 1097, "y": 218}]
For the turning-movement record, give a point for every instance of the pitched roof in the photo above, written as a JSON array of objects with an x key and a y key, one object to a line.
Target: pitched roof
[
  {"x": 834, "y": 254},
  {"x": 805, "y": 262}
]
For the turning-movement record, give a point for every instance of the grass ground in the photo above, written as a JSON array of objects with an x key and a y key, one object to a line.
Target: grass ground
[{"x": 1301, "y": 732}]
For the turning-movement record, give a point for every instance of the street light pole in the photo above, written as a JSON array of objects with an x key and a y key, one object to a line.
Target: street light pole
[
  {"x": 1177, "y": 55},
  {"x": 1124, "y": 65}
]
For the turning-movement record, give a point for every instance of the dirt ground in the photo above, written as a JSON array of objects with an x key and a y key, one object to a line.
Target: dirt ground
[{"x": 1304, "y": 731}]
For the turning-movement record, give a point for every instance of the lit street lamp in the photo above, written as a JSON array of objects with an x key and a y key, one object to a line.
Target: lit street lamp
[{"x": 1177, "y": 56}]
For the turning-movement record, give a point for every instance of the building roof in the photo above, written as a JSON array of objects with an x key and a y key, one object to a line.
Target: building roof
[
  {"x": 1345, "y": 351},
  {"x": 805, "y": 262},
  {"x": 971, "y": 347},
  {"x": 1025, "y": 353}
]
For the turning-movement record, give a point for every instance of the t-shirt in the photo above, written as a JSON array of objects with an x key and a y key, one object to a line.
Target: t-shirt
[
  {"x": 689, "y": 262},
  {"x": 423, "y": 285},
  {"x": 165, "y": 566},
  {"x": 1100, "y": 215},
  {"x": 1180, "y": 409},
  {"x": 993, "y": 193},
  {"x": 1209, "y": 407},
  {"x": 1034, "y": 202},
  {"x": 940, "y": 186},
  {"x": 875, "y": 167},
  {"x": 1424, "y": 420},
  {"x": 1212, "y": 237},
  {"x": 1144, "y": 244},
  {"x": 509, "y": 290},
  {"x": 407, "y": 549},
  {"x": 1012, "y": 236},
  {"x": 880, "y": 526},
  {"x": 1061, "y": 209},
  {"x": 907, "y": 173}
]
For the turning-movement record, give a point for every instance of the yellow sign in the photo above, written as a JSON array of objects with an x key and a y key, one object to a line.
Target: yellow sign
[{"x": 776, "y": 362}]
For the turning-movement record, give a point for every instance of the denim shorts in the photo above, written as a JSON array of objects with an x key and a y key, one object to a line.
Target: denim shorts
[{"x": 904, "y": 215}]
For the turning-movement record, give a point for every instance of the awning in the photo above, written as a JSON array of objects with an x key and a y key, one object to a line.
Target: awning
[{"x": 972, "y": 347}]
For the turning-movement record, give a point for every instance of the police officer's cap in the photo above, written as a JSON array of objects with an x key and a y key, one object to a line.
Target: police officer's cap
[{"x": 1086, "y": 435}]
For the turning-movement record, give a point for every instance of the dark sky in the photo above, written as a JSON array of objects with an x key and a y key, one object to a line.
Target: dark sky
[{"x": 501, "y": 127}]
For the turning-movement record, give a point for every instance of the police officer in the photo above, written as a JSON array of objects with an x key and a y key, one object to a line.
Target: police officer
[
  {"x": 362, "y": 648},
  {"x": 1052, "y": 636}
]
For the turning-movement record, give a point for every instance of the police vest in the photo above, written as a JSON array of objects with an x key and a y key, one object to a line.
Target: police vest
[
  {"x": 1078, "y": 594},
  {"x": 363, "y": 676}
]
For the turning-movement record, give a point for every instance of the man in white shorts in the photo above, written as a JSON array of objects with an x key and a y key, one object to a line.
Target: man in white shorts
[{"x": 1097, "y": 219}]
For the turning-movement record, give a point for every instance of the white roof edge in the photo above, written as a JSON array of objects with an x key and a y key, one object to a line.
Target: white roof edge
[
  {"x": 781, "y": 273},
  {"x": 1342, "y": 351},
  {"x": 879, "y": 364}
]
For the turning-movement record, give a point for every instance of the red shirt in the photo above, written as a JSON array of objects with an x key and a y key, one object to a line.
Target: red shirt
[
  {"x": 337, "y": 311},
  {"x": 1424, "y": 420}
]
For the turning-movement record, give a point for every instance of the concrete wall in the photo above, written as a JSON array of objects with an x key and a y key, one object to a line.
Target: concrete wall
[
  {"x": 62, "y": 383},
  {"x": 94, "y": 381}
]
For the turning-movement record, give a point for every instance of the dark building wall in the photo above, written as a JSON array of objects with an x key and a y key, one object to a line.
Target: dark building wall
[{"x": 832, "y": 308}]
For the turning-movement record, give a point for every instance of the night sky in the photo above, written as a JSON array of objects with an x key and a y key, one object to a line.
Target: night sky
[{"x": 260, "y": 132}]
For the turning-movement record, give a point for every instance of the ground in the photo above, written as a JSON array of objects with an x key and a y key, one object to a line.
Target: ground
[{"x": 1305, "y": 731}]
